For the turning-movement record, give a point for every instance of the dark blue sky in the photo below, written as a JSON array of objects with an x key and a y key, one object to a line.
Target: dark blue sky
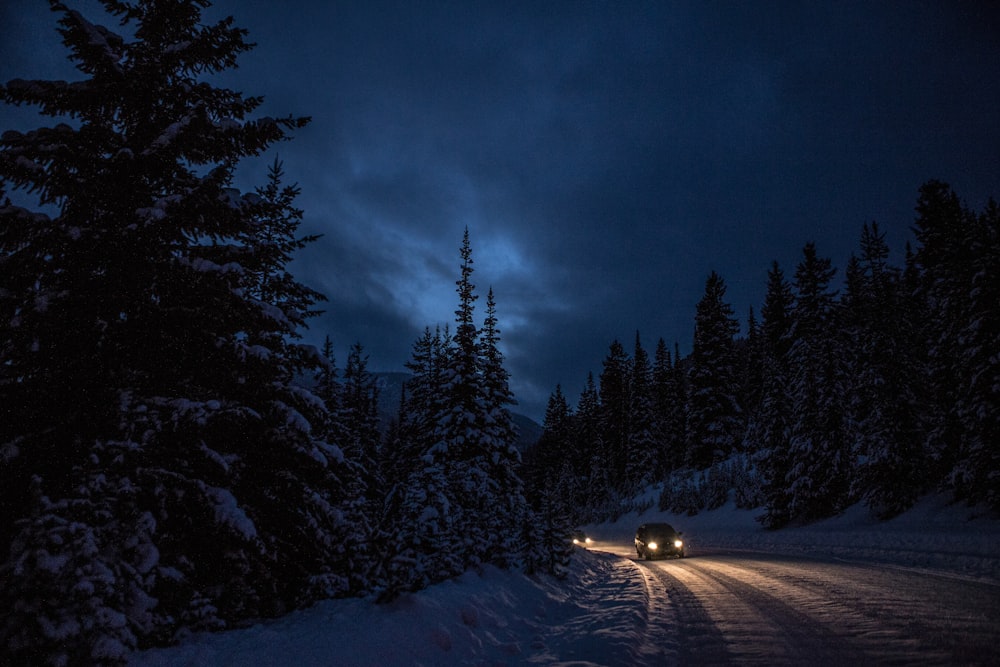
[{"x": 605, "y": 156}]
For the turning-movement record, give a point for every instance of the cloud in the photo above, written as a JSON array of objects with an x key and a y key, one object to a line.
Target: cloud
[{"x": 605, "y": 156}]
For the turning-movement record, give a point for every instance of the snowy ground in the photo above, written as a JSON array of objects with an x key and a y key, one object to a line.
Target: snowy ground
[{"x": 596, "y": 616}]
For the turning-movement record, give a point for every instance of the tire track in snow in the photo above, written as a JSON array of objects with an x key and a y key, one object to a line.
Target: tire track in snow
[
  {"x": 757, "y": 621},
  {"x": 679, "y": 625},
  {"x": 896, "y": 614}
]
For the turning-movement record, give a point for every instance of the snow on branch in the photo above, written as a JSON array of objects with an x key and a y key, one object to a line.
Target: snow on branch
[
  {"x": 106, "y": 42},
  {"x": 208, "y": 266}
]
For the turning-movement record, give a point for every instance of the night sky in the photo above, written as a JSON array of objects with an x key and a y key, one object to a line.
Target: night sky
[{"x": 606, "y": 157}]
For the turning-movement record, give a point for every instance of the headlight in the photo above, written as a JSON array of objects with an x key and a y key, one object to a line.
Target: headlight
[
  {"x": 678, "y": 544},
  {"x": 652, "y": 546},
  {"x": 588, "y": 540}
]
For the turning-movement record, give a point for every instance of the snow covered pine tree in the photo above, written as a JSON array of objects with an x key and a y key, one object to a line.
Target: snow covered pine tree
[
  {"x": 159, "y": 472},
  {"x": 457, "y": 500}
]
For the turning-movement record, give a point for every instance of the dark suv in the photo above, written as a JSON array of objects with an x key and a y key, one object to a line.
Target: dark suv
[{"x": 658, "y": 540}]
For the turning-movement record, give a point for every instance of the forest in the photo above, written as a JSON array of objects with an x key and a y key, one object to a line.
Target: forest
[
  {"x": 877, "y": 389},
  {"x": 174, "y": 459}
]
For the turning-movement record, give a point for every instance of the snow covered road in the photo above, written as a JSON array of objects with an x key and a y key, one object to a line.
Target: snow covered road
[{"x": 743, "y": 608}]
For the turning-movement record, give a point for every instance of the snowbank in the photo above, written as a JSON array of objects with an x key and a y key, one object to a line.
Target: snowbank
[{"x": 492, "y": 617}]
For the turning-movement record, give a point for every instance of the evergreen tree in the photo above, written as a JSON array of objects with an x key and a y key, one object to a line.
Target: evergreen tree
[
  {"x": 359, "y": 424},
  {"x": 614, "y": 415},
  {"x": 359, "y": 409},
  {"x": 327, "y": 389},
  {"x": 552, "y": 489},
  {"x": 641, "y": 461},
  {"x": 884, "y": 405},
  {"x": 459, "y": 438},
  {"x": 417, "y": 507},
  {"x": 556, "y": 424},
  {"x": 818, "y": 480},
  {"x": 544, "y": 457},
  {"x": 153, "y": 438},
  {"x": 589, "y": 449},
  {"x": 978, "y": 474},
  {"x": 507, "y": 510},
  {"x": 945, "y": 274},
  {"x": 777, "y": 314},
  {"x": 958, "y": 258},
  {"x": 669, "y": 409},
  {"x": 272, "y": 241},
  {"x": 752, "y": 352},
  {"x": 713, "y": 406},
  {"x": 462, "y": 503},
  {"x": 769, "y": 426}
]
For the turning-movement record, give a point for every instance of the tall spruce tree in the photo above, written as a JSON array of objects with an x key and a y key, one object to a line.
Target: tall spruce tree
[
  {"x": 506, "y": 511},
  {"x": 614, "y": 415},
  {"x": 589, "y": 445},
  {"x": 818, "y": 480},
  {"x": 978, "y": 472},
  {"x": 460, "y": 435},
  {"x": 769, "y": 427},
  {"x": 945, "y": 273},
  {"x": 361, "y": 442},
  {"x": 327, "y": 388},
  {"x": 552, "y": 489},
  {"x": 417, "y": 506},
  {"x": 156, "y": 452},
  {"x": 457, "y": 500},
  {"x": 884, "y": 406},
  {"x": 669, "y": 409},
  {"x": 713, "y": 408},
  {"x": 957, "y": 256},
  {"x": 641, "y": 462},
  {"x": 752, "y": 354}
]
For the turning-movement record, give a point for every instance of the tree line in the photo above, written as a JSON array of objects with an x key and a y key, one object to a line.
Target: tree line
[
  {"x": 173, "y": 458},
  {"x": 878, "y": 390}
]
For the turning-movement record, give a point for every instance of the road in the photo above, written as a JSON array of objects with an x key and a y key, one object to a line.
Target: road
[{"x": 729, "y": 607}]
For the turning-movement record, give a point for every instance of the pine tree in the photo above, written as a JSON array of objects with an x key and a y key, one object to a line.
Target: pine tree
[
  {"x": 769, "y": 427},
  {"x": 777, "y": 313},
  {"x": 713, "y": 406},
  {"x": 588, "y": 441},
  {"x": 152, "y": 437},
  {"x": 327, "y": 389},
  {"x": 359, "y": 409},
  {"x": 458, "y": 447},
  {"x": 417, "y": 507},
  {"x": 958, "y": 258},
  {"x": 818, "y": 482},
  {"x": 614, "y": 415},
  {"x": 500, "y": 426},
  {"x": 507, "y": 510},
  {"x": 884, "y": 405},
  {"x": 641, "y": 461},
  {"x": 669, "y": 409},
  {"x": 979, "y": 341},
  {"x": 462, "y": 503},
  {"x": 552, "y": 487},
  {"x": 945, "y": 274}
]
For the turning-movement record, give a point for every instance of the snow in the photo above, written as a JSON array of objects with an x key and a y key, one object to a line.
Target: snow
[
  {"x": 490, "y": 617},
  {"x": 228, "y": 512},
  {"x": 29, "y": 165},
  {"x": 596, "y": 615},
  {"x": 169, "y": 135}
]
